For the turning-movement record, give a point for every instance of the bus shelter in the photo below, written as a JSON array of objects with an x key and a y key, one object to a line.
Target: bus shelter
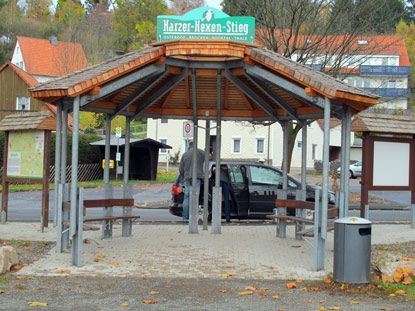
[{"x": 206, "y": 79}]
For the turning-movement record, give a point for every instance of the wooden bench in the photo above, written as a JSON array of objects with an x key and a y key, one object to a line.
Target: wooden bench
[
  {"x": 101, "y": 203},
  {"x": 332, "y": 214}
]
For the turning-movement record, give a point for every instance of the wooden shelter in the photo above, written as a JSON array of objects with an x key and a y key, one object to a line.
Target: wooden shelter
[
  {"x": 30, "y": 141},
  {"x": 388, "y": 161},
  {"x": 144, "y": 154},
  {"x": 210, "y": 79}
]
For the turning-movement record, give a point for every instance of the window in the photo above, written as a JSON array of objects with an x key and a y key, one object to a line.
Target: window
[
  {"x": 350, "y": 82},
  {"x": 259, "y": 145},
  {"x": 22, "y": 103},
  {"x": 362, "y": 42},
  {"x": 384, "y": 84},
  {"x": 164, "y": 121},
  {"x": 262, "y": 175},
  {"x": 392, "y": 84},
  {"x": 314, "y": 152},
  {"x": 237, "y": 176},
  {"x": 163, "y": 141},
  {"x": 299, "y": 144},
  {"x": 366, "y": 83},
  {"x": 359, "y": 83},
  {"x": 384, "y": 61},
  {"x": 236, "y": 145}
]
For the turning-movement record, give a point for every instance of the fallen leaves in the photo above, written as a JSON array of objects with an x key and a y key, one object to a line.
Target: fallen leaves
[
  {"x": 125, "y": 305},
  {"x": 327, "y": 281},
  {"x": 292, "y": 285},
  {"x": 148, "y": 302},
  {"x": 1, "y": 291},
  {"x": 15, "y": 267},
  {"x": 223, "y": 290},
  {"x": 386, "y": 309},
  {"x": 153, "y": 293},
  {"x": 245, "y": 293},
  {"x": 63, "y": 271},
  {"x": 250, "y": 288},
  {"x": 275, "y": 297},
  {"x": 115, "y": 263},
  {"x": 226, "y": 275},
  {"x": 37, "y": 304},
  {"x": 353, "y": 302}
]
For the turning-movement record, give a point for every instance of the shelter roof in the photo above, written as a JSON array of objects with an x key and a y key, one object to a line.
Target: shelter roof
[
  {"x": 134, "y": 142},
  {"x": 169, "y": 78},
  {"x": 382, "y": 123},
  {"x": 28, "y": 121},
  {"x": 41, "y": 57}
]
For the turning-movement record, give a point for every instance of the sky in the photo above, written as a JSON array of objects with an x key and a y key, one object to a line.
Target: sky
[{"x": 214, "y": 3}]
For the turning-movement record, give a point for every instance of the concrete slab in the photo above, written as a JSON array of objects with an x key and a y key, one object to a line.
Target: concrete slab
[{"x": 169, "y": 251}]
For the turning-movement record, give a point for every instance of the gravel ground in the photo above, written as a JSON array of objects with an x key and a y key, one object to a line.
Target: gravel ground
[{"x": 114, "y": 293}]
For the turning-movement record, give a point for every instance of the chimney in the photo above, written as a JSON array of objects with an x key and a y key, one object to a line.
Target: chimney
[{"x": 53, "y": 40}]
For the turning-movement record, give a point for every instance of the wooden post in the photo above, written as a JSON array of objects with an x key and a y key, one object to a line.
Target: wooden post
[
  {"x": 5, "y": 184},
  {"x": 364, "y": 191}
]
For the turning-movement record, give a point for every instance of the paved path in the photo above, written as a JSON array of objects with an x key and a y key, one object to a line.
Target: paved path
[{"x": 169, "y": 251}]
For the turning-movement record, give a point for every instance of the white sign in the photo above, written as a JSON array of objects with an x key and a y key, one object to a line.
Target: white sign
[
  {"x": 118, "y": 132},
  {"x": 118, "y": 156},
  {"x": 187, "y": 129}
]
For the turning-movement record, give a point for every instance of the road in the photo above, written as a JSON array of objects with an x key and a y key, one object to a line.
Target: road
[{"x": 153, "y": 200}]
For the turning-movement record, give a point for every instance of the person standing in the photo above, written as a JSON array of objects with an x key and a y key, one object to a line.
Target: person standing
[
  {"x": 186, "y": 171},
  {"x": 224, "y": 183}
]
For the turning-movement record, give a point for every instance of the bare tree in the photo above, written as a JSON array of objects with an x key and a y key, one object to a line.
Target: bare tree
[
  {"x": 319, "y": 33},
  {"x": 183, "y": 6}
]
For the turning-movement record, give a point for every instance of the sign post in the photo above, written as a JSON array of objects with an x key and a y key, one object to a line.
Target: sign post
[
  {"x": 188, "y": 132},
  {"x": 118, "y": 132}
]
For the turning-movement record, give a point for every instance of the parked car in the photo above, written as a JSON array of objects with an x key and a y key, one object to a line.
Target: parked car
[
  {"x": 355, "y": 170},
  {"x": 253, "y": 190}
]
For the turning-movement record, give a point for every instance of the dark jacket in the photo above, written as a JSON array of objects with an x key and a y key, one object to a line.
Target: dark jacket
[{"x": 185, "y": 168}]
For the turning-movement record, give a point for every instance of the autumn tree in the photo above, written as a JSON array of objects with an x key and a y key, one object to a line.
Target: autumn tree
[
  {"x": 183, "y": 6},
  {"x": 319, "y": 32}
]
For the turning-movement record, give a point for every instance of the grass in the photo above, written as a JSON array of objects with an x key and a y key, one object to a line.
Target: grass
[
  {"x": 391, "y": 288},
  {"x": 3, "y": 280},
  {"x": 163, "y": 176}
]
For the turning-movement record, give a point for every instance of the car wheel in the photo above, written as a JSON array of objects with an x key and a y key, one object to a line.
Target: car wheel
[{"x": 351, "y": 174}]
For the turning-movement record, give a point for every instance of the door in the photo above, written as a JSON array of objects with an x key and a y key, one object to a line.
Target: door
[
  {"x": 263, "y": 185},
  {"x": 239, "y": 189}
]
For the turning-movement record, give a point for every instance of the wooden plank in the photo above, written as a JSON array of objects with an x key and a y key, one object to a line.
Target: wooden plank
[
  {"x": 112, "y": 218},
  {"x": 166, "y": 100},
  {"x": 108, "y": 203},
  {"x": 226, "y": 103},
  {"x": 296, "y": 219},
  {"x": 186, "y": 82}
]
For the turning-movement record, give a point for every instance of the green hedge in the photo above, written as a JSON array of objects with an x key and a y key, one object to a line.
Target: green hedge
[{"x": 87, "y": 154}]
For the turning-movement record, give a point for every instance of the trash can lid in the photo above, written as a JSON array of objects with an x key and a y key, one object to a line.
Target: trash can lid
[{"x": 353, "y": 221}]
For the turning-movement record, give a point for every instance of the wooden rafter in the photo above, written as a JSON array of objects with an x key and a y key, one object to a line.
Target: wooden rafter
[
  {"x": 226, "y": 103},
  {"x": 166, "y": 100}
]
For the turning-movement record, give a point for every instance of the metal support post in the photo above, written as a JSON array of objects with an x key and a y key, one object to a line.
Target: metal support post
[
  {"x": 319, "y": 242},
  {"x": 348, "y": 119},
  {"x": 282, "y": 224},
  {"x": 58, "y": 156},
  {"x": 66, "y": 187},
  {"x": 74, "y": 178},
  {"x": 303, "y": 194},
  {"x": 194, "y": 194},
  {"x": 107, "y": 226},
  {"x": 326, "y": 156},
  {"x": 217, "y": 190},
  {"x": 343, "y": 166},
  {"x": 412, "y": 216},
  {"x": 367, "y": 211},
  {"x": 78, "y": 236},
  {"x": 206, "y": 180},
  {"x": 127, "y": 193}
]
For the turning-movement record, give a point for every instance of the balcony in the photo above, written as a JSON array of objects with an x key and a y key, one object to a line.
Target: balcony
[
  {"x": 389, "y": 92},
  {"x": 366, "y": 70}
]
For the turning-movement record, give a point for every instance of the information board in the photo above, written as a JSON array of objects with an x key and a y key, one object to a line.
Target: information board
[{"x": 25, "y": 154}]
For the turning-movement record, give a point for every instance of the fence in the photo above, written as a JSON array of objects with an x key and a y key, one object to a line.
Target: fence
[{"x": 86, "y": 172}]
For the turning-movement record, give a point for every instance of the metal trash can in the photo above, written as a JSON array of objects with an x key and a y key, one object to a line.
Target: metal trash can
[{"x": 352, "y": 241}]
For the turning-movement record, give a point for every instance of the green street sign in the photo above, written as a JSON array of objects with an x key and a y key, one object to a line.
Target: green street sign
[{"x": 206, "y": 23}]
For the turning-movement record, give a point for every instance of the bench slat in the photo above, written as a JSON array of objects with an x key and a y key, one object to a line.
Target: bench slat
[
  {"x": 297, "y": 219},
  {"x": 111, "y": 218},
  {"x": 108, "y": 203}
]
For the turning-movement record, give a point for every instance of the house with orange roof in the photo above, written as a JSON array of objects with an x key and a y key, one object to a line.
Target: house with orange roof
[
  {"x": 47, "y": 59},
  {"x": 15, "y": 95},
  {"x": 35, "y": 61}
]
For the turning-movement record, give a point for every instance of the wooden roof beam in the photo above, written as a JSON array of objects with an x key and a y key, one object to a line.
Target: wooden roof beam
[
  {"x": 117, "y": 85},
  {"x": 251, "y": 94},
  {"x": 166, "y": 100},
  {"x": 160, "y": 92},
  {"x": 136, "y": 94}
]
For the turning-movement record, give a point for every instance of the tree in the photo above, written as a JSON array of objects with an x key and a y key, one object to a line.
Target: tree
[
  {"x": 135, "y": 22},
  {"x": 408, "y": 33},
  {"x": 183, "y": 6},
  {"x": 317, "y": 32}
]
